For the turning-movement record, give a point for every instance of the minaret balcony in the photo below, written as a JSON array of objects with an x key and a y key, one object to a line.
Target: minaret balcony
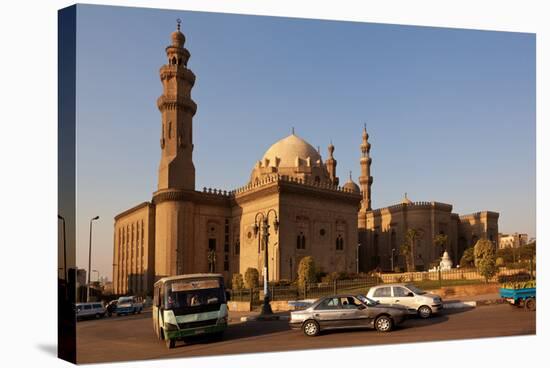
[
  {"x": 179, "y": 71},
  {"x": 170, "y": 102}
]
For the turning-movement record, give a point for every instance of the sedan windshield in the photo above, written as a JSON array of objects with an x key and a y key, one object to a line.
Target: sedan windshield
[
  {"x": 415, "y": 290},
  {"x": 366, "y": 300}
]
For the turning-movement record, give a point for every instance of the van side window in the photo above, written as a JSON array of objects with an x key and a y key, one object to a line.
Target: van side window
[{"x": 156, "y": 296}]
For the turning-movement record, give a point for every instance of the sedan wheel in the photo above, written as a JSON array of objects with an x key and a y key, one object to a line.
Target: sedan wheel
[
  {"x": 383, "y": 324},
  {"x": 424, "y": 311},
  {"x": 311, "y": 328}
]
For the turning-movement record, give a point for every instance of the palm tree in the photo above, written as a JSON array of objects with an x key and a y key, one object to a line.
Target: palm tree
[
  {"x": 408, "y": 248},
  {"x": 440, "y": 240}
]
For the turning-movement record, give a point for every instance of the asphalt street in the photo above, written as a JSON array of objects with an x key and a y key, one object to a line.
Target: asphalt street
[{"x": 131, "y": 337}]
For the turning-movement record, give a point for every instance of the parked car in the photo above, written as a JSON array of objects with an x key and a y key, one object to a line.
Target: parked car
[
  {"x": 90, "y": 310},
  {"x": 111, "y": 307},
  {"x": 128, "y": 304},
  {"x": 346, "y": 311},
  {"x": 414, "y": 299}
]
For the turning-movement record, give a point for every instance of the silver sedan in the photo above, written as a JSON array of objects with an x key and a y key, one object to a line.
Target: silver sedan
[{"x": 346, "y": 311}]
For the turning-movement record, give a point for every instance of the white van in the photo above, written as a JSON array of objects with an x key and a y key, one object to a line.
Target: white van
[{"x": 90, "y": 310}]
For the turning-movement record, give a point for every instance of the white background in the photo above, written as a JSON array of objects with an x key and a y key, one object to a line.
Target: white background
[{"x": 28, "y": 179}]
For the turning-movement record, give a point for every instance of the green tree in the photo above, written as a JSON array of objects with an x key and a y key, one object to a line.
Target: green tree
[
  {"x": 408, "y": 248},
  {"x": 237, "y": 282},
  {"x": 467, "y": 259},
  {"x": 251, "y": 278},
  {"x": 485, "y": 258},
  {"x": 306, "y": 271},
  {"x": 440, "y": 240}
]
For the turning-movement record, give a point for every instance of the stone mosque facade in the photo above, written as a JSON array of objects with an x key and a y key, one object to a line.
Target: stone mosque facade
[{"x": 182, "y": 230}]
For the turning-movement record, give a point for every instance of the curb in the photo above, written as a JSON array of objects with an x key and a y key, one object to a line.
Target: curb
[{"x": 263, "y": 318}]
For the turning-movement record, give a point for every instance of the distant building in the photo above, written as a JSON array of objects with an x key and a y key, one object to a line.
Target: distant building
[{"x": 514, "y": 240}]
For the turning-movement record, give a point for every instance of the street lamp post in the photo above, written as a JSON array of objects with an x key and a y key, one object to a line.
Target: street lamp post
[
  {"x": 64, "y": 248},
  {"x": 263, "y": 225},
  {"x": 90, "y": 260},
  {"x": 392, "y": 258},
  {"x": 357, "y": 257}
]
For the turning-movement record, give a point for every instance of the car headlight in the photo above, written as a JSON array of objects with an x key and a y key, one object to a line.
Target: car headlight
[
  {"x": 222, "y": 320},
  {"x": 170, "y": 327}
]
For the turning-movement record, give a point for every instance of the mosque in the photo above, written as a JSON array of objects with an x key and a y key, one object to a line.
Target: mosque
[{"x": 185, "y": 230}]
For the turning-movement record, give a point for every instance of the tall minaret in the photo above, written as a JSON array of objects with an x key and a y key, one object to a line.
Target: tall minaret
[
  {"x": 331, "y": 165},
  {"x": 174, "y": 219},
  {"x": 365, "y": 180},
  {"x": 176, "y": 170}
]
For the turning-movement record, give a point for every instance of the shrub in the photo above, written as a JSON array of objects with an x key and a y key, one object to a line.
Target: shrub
[
  {"x": 499, "y": 262},
  {"x": 331, "y": 277},
  {"x": 484, "y": 258},
  {"x": 237, "y": 282},
  {"x": 467, "y": 259},
  {"x": 306, "y": 271},
  {"x": 251, "y": 278}
]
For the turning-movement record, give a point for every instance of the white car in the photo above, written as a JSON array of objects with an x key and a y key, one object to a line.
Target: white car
[
  {"x": 90, "y": 310},
  {"x": 417, "y": 301}
]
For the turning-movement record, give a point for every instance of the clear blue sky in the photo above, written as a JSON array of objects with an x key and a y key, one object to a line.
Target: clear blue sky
[{"x": 450, "y": 113}]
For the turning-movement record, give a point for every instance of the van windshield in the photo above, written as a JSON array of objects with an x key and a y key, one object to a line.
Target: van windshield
[{"x": 194, "y": 296}]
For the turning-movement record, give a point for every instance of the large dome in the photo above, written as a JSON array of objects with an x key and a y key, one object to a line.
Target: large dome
[{"x": 287, "y": 149}]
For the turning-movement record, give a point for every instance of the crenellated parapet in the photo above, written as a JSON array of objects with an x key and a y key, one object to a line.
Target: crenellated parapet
[
  {"x": 419, "y": 205},
  {"x": 479, "y": 215}
]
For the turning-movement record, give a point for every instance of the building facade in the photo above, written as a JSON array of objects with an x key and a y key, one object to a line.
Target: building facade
[
  {"x": 183, "y": 230},
  {"x": 383, "y": 231}
]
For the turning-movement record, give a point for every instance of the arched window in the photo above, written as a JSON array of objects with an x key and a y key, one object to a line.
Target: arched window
[
  {"x": 238, "y": 247},
  {"x": 174, "y": 60},
  {"x": 339, "y": 242},
  {"x": 301, "y": 241}
]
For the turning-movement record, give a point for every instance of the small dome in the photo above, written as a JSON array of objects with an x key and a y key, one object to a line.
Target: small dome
[
  {"x": 178, "y": 39},
  {"x": 351, "y": 186},
  {"x": 287, "y": 149}
]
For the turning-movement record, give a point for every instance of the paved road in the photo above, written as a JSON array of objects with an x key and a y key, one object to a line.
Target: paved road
[{"x": 131, "y": 337}]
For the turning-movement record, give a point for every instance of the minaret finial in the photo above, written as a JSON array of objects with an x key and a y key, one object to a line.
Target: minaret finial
[
  {"x": 292, "y": 130},
  {"x": 178, "y": 21},
  {"x": 350, "y": 175}
]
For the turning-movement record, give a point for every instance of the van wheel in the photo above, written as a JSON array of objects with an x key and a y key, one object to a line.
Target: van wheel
[
  {"x": 424, "y": 311},
  {"x": 97, "y": 316},
  {"x": 170, "y": 343}
]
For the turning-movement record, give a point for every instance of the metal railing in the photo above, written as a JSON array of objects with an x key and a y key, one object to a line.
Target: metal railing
[{"x": 425, "y": 280}]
